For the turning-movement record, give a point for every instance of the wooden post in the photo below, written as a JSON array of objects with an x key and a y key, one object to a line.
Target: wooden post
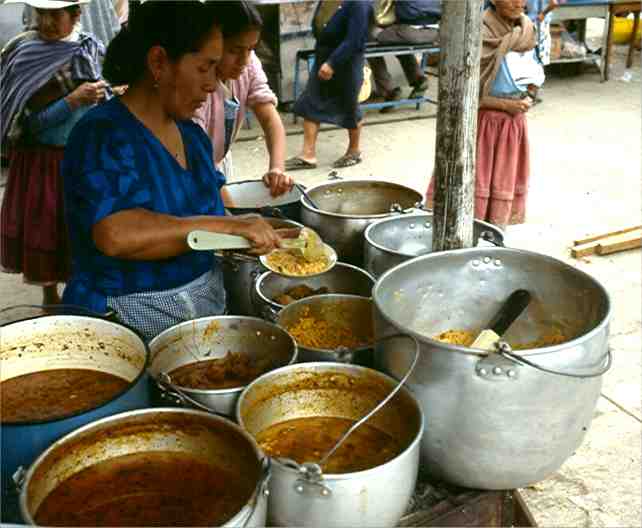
[{"x": 460, "y": 42}]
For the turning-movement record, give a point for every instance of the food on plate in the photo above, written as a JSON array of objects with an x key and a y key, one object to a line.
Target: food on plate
[{"x": 287, "y": 263}]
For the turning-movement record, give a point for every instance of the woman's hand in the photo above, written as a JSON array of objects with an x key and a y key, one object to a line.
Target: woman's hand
[
  {"x": 258, "y": 231},
  {"x": 86, "y": 94},
  {"x": 518, "y": 106},
  {"x": 278, "y": 182},
  {"x": 326, "y": 72}
]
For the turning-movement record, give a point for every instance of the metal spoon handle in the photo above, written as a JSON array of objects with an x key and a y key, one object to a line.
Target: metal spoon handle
[{"x": 383, "y": 402}]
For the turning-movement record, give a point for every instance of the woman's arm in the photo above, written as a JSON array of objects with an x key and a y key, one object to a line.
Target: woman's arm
[
  {"x": 139, "y": 234},
  {"x": 510, "y": 106}
]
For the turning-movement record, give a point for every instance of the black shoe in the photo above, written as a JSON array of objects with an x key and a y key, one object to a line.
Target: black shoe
[
  {"x": 395, "y": 95},
  {"x": 419, "y": 88}
]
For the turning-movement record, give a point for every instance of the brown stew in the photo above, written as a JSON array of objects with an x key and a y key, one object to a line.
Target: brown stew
[
  {"x": 234, "y": 370},
  {"x": 157, "y": 488},
  {"x": 53, "y": 394},
  {"x": 309, "y": 439}
]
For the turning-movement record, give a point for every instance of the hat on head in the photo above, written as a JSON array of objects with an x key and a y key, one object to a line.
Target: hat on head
[{"x": 48, "y": 4}]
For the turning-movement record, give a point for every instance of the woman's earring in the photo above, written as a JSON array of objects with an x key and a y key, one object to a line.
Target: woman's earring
[{"x": 155, "y": 83}]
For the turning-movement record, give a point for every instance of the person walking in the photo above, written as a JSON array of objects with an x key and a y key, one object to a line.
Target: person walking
[
  {"x": 50, "y": 77},
  {"x": 331, "y": 95}
]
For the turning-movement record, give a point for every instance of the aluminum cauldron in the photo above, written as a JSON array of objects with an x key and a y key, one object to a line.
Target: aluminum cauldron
[
  {"x": 375, "y": 497},
  {"x": 68, "y": 342},
  {"x": 342, "y": 278},
  {"x": 240, "y": 272},
  {"x": 496, "y": 423},
  {"x": 212, "y": 338},
  {"x": 346, "y": 208},
  {"x": 393, "y": 240},
  {"x": 213, "y": 439}
]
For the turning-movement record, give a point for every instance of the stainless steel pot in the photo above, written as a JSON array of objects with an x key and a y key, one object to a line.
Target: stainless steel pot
[
  {"x": 342, "y": 278},
  {"x": 240, "y": 273},
  {"x": 393, "y": 240},
  {"x": 376, "y": 497},
  {"x": 339, "y": 310},
  {"x": 212, "y": 338},
  {"x": 496, "y": 423},
  {"x": 208, "y": 437},
  {"x": 348, "y": 207}
]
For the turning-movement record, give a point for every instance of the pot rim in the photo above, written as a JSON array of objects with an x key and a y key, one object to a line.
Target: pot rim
[
  {"x": 368, "y": 232},
  {"x": 260, "y": 457},
  {"x": 328, "y": 351},
  {"x": 293, "y": 202},
  {"x": 133, "y": 383},
  {"x": 469, "y": 351},
  {"x": 263, "y": 276},
  {"x": 330, "y": 365},
  {"x": 230, "y": 390},
  {"x": 322, "y": 212}
]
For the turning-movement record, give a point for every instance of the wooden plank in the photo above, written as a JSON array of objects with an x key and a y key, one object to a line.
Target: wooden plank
[
  {"x": 620, "y": 243},
  {"x": 582, "y": 241},
  {"x": 523, "y": 516},
  {"x": 584, "y": 250}
]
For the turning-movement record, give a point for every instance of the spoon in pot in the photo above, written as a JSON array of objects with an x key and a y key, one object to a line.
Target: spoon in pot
[{"x": 306, "y": 195}]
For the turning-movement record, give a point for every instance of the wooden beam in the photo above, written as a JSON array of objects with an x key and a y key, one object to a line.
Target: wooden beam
[
  {"x": 460, "y": 43},
  {"x": 581, "y": 241},
  {"x": 617, "y": 243}
]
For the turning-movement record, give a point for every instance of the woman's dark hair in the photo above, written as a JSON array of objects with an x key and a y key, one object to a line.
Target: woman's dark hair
[
  {"x": 238, "y": 17},
  {"x": 180, "y": 27}
]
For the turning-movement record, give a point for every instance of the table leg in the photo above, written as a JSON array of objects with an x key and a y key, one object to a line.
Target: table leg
[
  {"x": 636, "y": 24},
  {"x": 606, "y": 57}
]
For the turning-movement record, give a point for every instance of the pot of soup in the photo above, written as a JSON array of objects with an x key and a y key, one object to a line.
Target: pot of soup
[
  {"x": 208, "y": 362},
  {"x": 240, "y": 272},
  {"x": 346, "y": 208},
  {"x": 252, "y": 196},
  {"x": 298, "y": 413},
  {"x": 394, "y": 240},
  {"x": 273, "y": 291},
  {"x": 331, "y": 327},
  {"x": 153, "y": 467},
  {"x": 60, "y": 372},
  {"x": 498, "y": 420}
]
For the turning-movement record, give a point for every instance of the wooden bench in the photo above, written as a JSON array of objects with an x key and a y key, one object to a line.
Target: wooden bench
[{"x": 372, "y": 50}]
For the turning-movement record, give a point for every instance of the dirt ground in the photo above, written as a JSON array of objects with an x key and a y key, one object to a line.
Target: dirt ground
[{"x": 585, "y": 160}]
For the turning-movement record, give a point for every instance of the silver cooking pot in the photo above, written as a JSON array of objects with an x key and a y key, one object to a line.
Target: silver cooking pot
[
  {"x": 375, "y": 497},
  {"x": 496, "y": 422},
  {"x": 240, "y": 272},
  {"x": 212, "y": 338},
  {"x": 342, "y": 278},
  {"x": 339, "y": 310},
  {"x": 210, "y": 438},
  {"x": 346, "y": 208},
  {"x": 393, "y": 240}
]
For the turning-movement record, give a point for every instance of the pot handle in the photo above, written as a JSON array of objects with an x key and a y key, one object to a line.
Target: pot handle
[
  {"x": 505, "y": 350},
  {"x": 262, "y": 488},
  {"x": 489, "y": 236},
  {"x": 65, "y": 309},
  {"x": 165, "y": 384},
  {"x": 19, "y": 477},
  {"x": 270, "y": 210}
]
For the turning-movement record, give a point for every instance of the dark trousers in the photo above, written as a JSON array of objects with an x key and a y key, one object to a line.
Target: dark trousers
[{"x": 400, "y": 34}]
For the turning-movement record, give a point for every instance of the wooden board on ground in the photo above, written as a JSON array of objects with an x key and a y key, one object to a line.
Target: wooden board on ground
[
  {"x": 594, "y": 238},
  {"x": 617, "y": 243}
]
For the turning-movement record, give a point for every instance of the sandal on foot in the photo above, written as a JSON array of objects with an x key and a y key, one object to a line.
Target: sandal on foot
[
  {"x": 297, "y": 163},
  {"x": 347, "y": 160}
]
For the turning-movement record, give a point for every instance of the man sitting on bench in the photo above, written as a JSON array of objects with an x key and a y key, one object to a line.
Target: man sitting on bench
[{"x": 416, "y": 23}]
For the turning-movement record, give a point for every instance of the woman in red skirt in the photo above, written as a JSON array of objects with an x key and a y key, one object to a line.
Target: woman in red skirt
[
  {"x": 50, "y": 77},
  {"x": 508, "y": 70}
]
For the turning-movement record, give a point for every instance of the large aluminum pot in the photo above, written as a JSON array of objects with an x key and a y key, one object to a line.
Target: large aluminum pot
[
  {"x": 342, "y": 278},
  {"x": 340, "y": 311},
  {"x": 496, "y": 423},
  {"x": 376, "y": 497},
  {"x": 68, "y": 342},
  {"x": 346, "y": 208},
  {"x": 393, "y": 240},
  {"x": 253, "y": 196},
  {"x": 212, "y": 338},
  {"x": 213, "y": 439},
  {"x": 240, "y": 272}
]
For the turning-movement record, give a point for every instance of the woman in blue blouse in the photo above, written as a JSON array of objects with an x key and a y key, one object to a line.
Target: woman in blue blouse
[
  {"x": 139, "y": 176},
  {"x": 332, "y": 92}
]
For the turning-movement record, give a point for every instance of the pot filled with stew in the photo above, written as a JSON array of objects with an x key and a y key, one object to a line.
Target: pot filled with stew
[
  {"x": 60, "y": 372},
  {"x": 208, "y": 362},
  {"x": 299, "y": 412},
  {"x": 274, "y": 291},
  {"x": 153, "y": 467}
]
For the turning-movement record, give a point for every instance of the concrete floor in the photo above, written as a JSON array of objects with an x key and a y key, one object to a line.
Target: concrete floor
[{"x": 585, "y": 157}]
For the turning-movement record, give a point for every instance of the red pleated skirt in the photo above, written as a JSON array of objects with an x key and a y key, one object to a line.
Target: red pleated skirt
[
  {"x": 502, "y": 170},
  {"x": 33, "y": 234}
]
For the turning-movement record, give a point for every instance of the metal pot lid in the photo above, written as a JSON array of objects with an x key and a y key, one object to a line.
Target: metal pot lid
[{"x": 253, "y": 194}]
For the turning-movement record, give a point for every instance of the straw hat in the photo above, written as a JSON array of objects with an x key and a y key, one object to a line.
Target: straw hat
[{"x": 48, "y": 4}]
